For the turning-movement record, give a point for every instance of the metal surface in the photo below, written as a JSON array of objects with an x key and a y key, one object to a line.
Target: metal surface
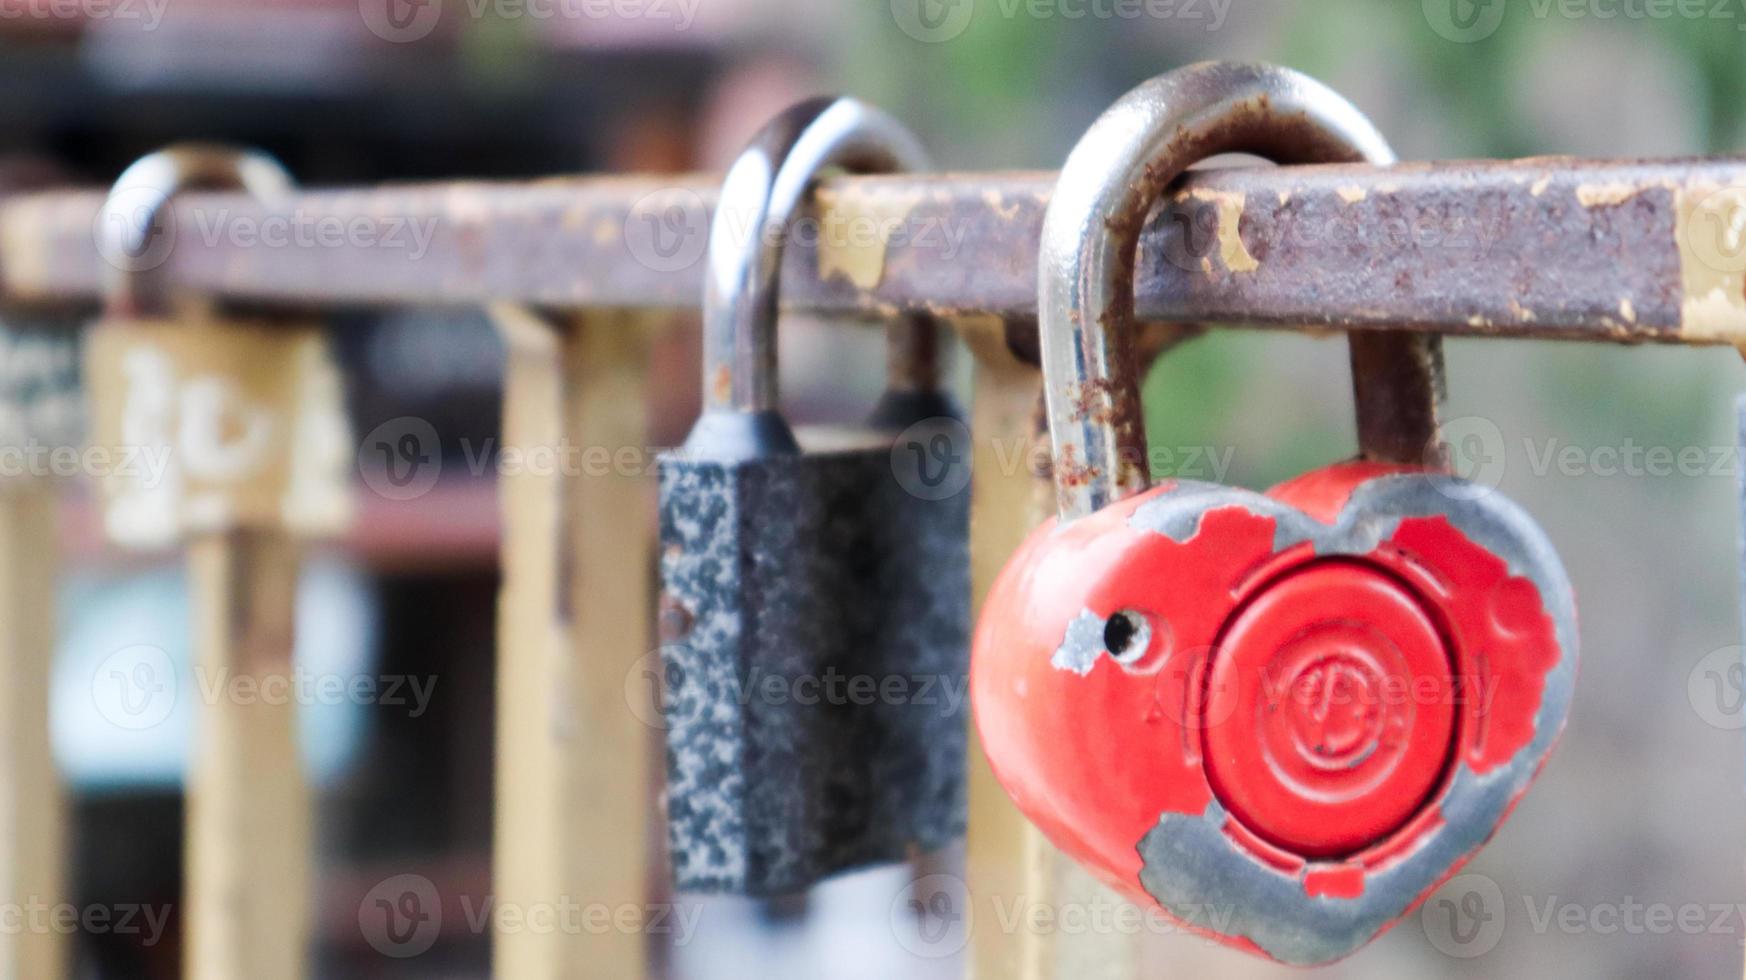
[
  {"x": 1398, "y": 391},
  {"x": 1111, "y": 181},
  {"x": 768, "y": 185},
  {"x": 1600, "y": 250},
  {"x": 800, "y": 592},
  {"x": 575, "y": 807},
  {"x": 131, "y": 227}
]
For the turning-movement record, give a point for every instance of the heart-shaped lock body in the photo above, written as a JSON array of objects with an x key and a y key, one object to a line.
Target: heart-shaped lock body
[{"x": 1283, "y": 719}]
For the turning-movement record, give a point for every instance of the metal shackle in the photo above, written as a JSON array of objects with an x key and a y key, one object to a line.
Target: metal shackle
[
  {"x": 1116, "y": 173},
  {"x": 762, "y": 194},
  {"x": 139, "y": 201}
]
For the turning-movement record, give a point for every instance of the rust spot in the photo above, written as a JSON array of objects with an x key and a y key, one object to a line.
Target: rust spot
[
  {"x": 673, "y": 619},
  {"x": 1091, "y": 400},
  {"x": 1070, "y": 472},
  {"x": 721, "y": 386}
]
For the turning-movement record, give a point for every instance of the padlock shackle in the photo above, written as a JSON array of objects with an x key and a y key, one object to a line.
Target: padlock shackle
[
  {"x": 761, "y": 195},
  {"x": 135, "y": 212},
  {"x": 1112, "y": 179}
]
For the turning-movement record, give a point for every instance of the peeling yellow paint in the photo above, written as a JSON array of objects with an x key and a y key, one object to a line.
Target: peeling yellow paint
[
  {"x": 1606, "y": 195},
  {"x": 997, "y": 202},
  {"x": 1232, "y": 252},
  {"x": 1627, "y": 311},
  {"x": 1351, "y": 194},
  {"x": 1710, "y": 232},
  {"x": 1284, "y": 198},
  {"x": 855, "y": 230},
  {"x": 1539, "y": 186}
]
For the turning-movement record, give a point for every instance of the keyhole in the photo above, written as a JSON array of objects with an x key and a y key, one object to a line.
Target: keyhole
[{"x": 1123, "y": 636}]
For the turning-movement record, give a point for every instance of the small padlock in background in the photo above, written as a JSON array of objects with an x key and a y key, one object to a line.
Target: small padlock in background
[
  {"x": 230, "y": 441},
  {"x": 817, "y": 604}
]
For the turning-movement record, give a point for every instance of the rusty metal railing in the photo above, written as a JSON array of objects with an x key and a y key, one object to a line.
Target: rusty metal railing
[{"x": 1619, "y": 251}]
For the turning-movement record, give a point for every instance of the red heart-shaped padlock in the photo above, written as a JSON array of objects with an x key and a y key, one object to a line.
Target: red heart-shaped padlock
[
  {"x": 1285, "y": 718},
  {"x": 1282, "y": 719}
]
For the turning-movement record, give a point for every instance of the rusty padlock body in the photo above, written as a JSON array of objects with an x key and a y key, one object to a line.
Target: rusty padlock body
[
  {"x": 814, "y": 681},
  {"x": 1281, "y": 718}
]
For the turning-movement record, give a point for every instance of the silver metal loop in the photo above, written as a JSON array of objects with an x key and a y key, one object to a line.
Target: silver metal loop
[
  {"x": 135, "y": 231},
  {"x": 1110, "y": 182},
  {"x": 762, "y": 194}
]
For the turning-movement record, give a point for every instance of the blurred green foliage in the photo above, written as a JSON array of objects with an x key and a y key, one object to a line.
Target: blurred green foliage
[{"x": 1014, "y": 89}]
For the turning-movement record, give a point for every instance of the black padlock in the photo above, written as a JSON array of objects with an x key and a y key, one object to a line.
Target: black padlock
[{"x": 816, "y": 604}]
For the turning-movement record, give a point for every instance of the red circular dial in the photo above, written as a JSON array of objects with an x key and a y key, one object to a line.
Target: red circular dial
[{"x": 1335, "y": 704}]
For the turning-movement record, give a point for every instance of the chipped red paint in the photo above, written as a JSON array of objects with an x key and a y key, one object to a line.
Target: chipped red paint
[
  {"x": 1334, "y": 881},
  {"x": 1095, "y": 759}
]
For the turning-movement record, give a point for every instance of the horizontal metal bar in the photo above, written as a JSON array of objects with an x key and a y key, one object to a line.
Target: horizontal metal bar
[{"x": 1621, "y": 251}]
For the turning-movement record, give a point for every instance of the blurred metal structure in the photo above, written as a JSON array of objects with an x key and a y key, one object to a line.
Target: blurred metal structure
[
  {"x": 33, "y": 806},
  {"x": 576, "y": 760},
  {"x": 240, "y": 408}
]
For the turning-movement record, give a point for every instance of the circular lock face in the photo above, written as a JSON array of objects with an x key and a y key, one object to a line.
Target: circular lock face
[{"x": 1335, "y": 690}]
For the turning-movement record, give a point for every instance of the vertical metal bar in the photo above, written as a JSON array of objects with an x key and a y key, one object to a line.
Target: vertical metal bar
[
  {"x": 533, "y": 708},
  {"x": 1398, "y": 387},
  {"x": 248, "y": 820},
  {"x": 1008, "y": 860},
  {"x": 32, "y": 803},
  {"x": 1740, "y": 475},
  {"x": 575, "y": 783},
  {"x": 610, "y": 541}
]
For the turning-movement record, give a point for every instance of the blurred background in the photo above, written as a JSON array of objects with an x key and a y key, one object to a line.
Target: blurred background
[{"x": 1639, "y": 809}]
